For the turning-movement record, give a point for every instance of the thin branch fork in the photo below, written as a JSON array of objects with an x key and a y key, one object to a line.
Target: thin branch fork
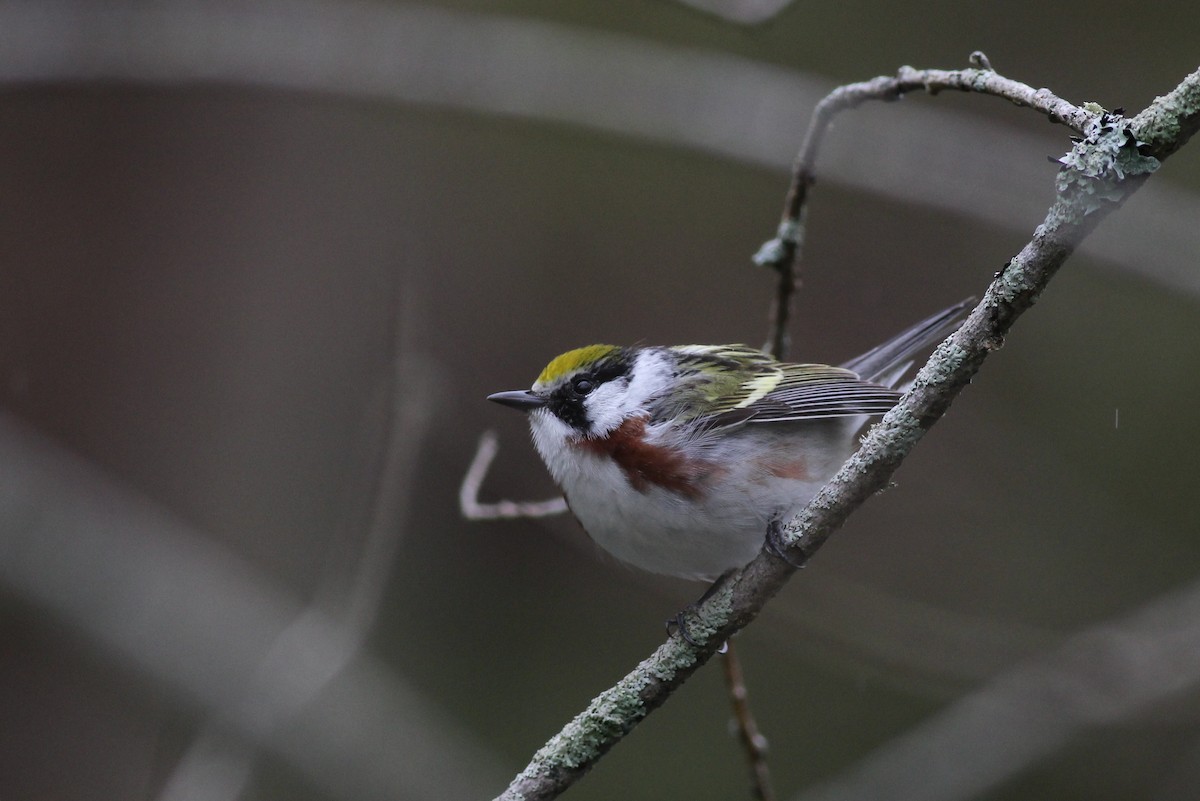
[
  {"x": 1087, "y": 192},
  {"x": 468, "y": 494},
  {"x": 783, "y": 253}
]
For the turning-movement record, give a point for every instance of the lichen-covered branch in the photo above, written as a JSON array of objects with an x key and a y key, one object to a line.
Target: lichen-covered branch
[{"x": 1113, "y": 158}]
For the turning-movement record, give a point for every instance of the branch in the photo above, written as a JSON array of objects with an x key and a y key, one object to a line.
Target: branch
[
  {"x": 754, "y": 744},
  {"x": 468, "y": 494},
  {"x": 782, "y": 253},
  {"x": 1112, "y": 161}
]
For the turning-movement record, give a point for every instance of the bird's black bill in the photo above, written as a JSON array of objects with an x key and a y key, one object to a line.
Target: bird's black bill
[{"x": 521, "y": 399}]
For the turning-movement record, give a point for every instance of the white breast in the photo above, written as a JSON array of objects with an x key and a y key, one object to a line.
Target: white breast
[{"x": 665, "y": 532}]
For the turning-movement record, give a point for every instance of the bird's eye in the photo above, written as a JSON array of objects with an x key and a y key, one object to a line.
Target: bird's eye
[{"x": 583, "y": 386}]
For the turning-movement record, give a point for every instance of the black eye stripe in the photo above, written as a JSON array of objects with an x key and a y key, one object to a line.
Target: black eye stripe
[
  {"x": 609, "y": 370},
  {"x": 568, "y": 407},
  {"x": 567, "y": 401}
]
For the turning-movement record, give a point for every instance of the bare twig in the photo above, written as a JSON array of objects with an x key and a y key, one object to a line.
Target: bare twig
[
  {"x": 1104, "y": 169},
  {"x": 468, "y": 493},
  {"x": 752, "y": 741},
  {"x": 782, "y": 253}
]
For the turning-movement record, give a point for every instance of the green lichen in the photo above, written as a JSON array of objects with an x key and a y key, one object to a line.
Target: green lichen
[
  {"x": 1165, "y": 123},
  {"x": 894, "y": 436},
  {"x": 616, "y": 711},
  {"x": 1095, "y": 169},
  {"x": 1012, "y": 282},
  {"x": 947, "y": 360},
  {"x": 774, "y": 251},
  {"x": 1161, "y": 124},
  {"x": 585, "y": 738}
]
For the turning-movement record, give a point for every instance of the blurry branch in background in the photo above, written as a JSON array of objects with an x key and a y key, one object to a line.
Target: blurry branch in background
[
  {"x": 922, "y": 648},
  {"x": 217, "y": 765},
  {"x": 523, "y": 68},
  {"x": 743, "y": 12},
  {"x": 1099, "y": 677},
  {"x": 397, "y": 433},
  {"x": 160, "y": 599},
  {"x": 468, "y": 494},
  {"x": 1112, "y": 160}
]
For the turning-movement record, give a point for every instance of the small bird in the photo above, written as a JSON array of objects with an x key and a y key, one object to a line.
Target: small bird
[{"x": 677, "y": 459}]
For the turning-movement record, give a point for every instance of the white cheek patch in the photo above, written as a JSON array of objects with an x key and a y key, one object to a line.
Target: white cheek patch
[
  {"x": 651, "y": 375},
  {"x": 616, "y": 401},
  {"x": 607, "y": 406}
]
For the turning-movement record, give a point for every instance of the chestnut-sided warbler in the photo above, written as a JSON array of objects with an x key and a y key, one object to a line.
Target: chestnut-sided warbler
[{"x": 677, "y": 459}]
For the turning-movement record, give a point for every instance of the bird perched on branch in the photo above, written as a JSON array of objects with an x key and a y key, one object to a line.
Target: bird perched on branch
[{"x": 678, "y": 459}]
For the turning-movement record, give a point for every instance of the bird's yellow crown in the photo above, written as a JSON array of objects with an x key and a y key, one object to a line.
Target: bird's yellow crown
[{"x": 572, "y": 360}]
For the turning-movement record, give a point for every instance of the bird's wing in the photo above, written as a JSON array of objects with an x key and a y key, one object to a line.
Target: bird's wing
[{"x": 724, "y": 385}]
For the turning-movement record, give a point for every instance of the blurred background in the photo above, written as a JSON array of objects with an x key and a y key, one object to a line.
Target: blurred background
[{"x": 261, "y": 263}]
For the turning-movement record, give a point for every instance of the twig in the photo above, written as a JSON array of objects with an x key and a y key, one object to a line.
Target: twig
[
  {"x": 782, "y": 253},
  {"x": 752, "y": 741},
  {"x": 1114, "y": 159},
  {"x": 468, "y": 493}
]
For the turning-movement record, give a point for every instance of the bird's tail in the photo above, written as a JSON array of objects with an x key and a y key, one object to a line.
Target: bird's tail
[{"x": 886, "y": 364}]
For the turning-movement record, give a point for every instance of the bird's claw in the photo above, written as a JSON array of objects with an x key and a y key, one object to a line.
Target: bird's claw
[
  {"x": 775, "y": 546},
  {"x": 678, "y": 625}
]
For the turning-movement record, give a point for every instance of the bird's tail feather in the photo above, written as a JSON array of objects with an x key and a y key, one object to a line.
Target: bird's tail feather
[{"x": 886, "y": 364}]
